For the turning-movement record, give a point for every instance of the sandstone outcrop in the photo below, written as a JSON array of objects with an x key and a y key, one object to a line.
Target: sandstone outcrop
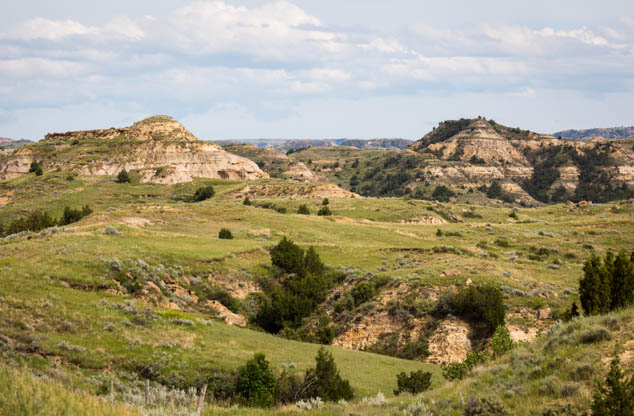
[
  {"x": 450, "y": 342},
  {"x": 159, "y": 148}
]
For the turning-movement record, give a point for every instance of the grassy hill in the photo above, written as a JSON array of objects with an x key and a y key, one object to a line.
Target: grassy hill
[{"x": 70, "y": 311}]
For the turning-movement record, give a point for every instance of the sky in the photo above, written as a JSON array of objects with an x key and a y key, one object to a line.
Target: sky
[{"x": 314, "y": 69}]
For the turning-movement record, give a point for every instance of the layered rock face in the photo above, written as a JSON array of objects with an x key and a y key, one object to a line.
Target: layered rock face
[
  {"x": 160, "y": 148},
  {"x": 477, "y": 152}
]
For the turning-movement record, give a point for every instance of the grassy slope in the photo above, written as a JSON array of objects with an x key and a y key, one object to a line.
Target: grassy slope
[{"x": 364, "y": 233}]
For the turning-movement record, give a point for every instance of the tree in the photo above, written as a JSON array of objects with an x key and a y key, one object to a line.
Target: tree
[
  {"x": 225, "y": 234},
  {"x": 256, "y": 382},
  {"x": 325, "y": 202},
  {"x": 123, "y": 177},
  {"x": 325, "y": 380},
  {"x": 39, "y": 171},
  {"x": 416, "y": 382},
  {"x": 608, "y": 284},
  {"x": 203, "y": 193},
  {"x": 495, "y": 190},
  {"x": 324, "y": 211},
  {"x": 34, "y": 167},
  {"x": 246, "y": 201},
  {"x": 616, "y": 396},
  {"x": 501, "y": 342},
  {"x": 303, "y": 209},
  {"x": 288, "y": 257},
  {"x": 442, "y": 193}
]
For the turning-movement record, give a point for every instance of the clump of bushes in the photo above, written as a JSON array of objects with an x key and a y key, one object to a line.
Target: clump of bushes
[
  {"x": 303, "y": 209},
  {"x": 203, "y": 193},
  {"x": 246, "y": 201},
  {"x": 40, "y": 220},
  {"x": 36, "y": 168},
  {"x": 476, "y": 303},
  {"x": 256, "y": 382},
  {"x": 416, "y": 382},
  {"x": 225, "y": 234},
  {"x": 324, "y": 211},
  {"x": 457, "y": 370},
  {"x": 442, "y": 193}
]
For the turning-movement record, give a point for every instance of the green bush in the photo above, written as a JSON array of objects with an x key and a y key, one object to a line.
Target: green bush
[
  {"x": 443, "y": 194},
  {"x": 256, "y": 382},
  {"x": 615, "y": 397},
  {"x": 325, "y": 202},
  {"x": 501, "y": 342},
  {"x": 363, "y": 292},
  {"x": 324, "y": 211},
  {"x": 416, "y": 382},
  {"x": 303, "y": 209},
  {"x": 203, "y": 193},
  {"x": 457, "y": 370},
  {"x": 225, "y": 234},
  {"x": 246, "y": 201},
  {"x": 123, "y": 177},
  {"x": 476, "y": 303}
]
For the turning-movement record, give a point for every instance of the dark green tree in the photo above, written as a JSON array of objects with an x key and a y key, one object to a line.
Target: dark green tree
[
  {"x": 123, "y": 177},
  {"x": 325, "y": 202},
  {"x": 203, "y": 193},
  {"x": 416, "y": 382},
  {"x": 288, "y": 257},
  {"x": 325, "y": 381},
  {"x": 324, "y": 211},
  {"x": 303, "y": 209},
  {"x": 225, "y": 234},
  {"x": 615, "y": 397},
  {"x": 246, "y": 201},
  {"x": 256, "y": 382}
]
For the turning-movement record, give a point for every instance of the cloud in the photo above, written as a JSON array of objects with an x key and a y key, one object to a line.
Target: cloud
[{"x": 55, "y": 30}]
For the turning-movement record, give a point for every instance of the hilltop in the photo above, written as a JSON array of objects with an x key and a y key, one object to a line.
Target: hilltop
[
  {"x": 158, "y": 148},
  {"x": 480, "y": 161},
  {"x": 599, "y": 133},
  {"x": 7, "y": 144}
]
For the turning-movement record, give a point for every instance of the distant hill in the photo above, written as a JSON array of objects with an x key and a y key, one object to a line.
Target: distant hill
[
  {"x": 606, "y": 133},
  {"x": 6, "y": 143},
  {"x": 284, "y": 145},
  {"x": 158, "y": 148}
]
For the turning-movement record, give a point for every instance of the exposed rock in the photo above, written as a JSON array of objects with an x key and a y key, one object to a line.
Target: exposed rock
[
  {"x": 302, "y": 191},
  {"x": 426, "y": 219},
  {"x": 544, "y": 313},
  {"x": 366, "y": 332},
  {"x": 229, "y": 317},
  {"x": 519, "y": 335},
  {"x": 450, "y": 342},
  {"x": 160, "y": 148}
]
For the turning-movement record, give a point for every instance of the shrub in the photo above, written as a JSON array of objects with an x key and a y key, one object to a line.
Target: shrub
[
  {"x": 225, "y": 234},
  {"x": 203, "y": 193},
  {"x": 501, "y": 342},
  {"x": 481, "y": 407},
  {"x": 73, "y": 215},
  {"x": 615, "y": 397},
  {"x": 363, "y": 292},
  {"x": 595, "y": 334},
  {"x": 123, "y": 177},
  {"x": 477, "y": 303},
  {"x": 110, "y": 230},
  {"x": 324, "y": 211},
  {"x": 502, "y": 242},
  {"x": 442, "y": 193},
  {"x": 303, "y": 209},
  {"x": 256, "y": 382},
  {"x": 416, "y": 382},
  {"x": 246, "y": 201},
  {"x": 458, "y": 370},
  {"x": 325, "y": 202}
]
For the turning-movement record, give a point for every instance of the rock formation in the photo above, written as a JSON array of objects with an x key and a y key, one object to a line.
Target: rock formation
[{"x": 159, "y": 148}]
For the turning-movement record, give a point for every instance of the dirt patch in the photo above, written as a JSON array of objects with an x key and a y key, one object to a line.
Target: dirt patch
[
  {"x": 135, "y": 222},
  {"x": 229, "y": 317}
]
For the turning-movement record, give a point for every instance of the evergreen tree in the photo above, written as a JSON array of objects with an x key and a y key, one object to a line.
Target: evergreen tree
[
  {"x": 594, "y": 288},
  {"x": 246, "y": 201},
  {"x": 325, "y": 380},
  {"x": 256, "y": 382},
  {"x": 501, "y": 342},
  {"x": 123, "y": 177},
  {"x": 303, "y": 209},
  {"x": 616, "y": 396},
  {"x": 622, "y": 270}
]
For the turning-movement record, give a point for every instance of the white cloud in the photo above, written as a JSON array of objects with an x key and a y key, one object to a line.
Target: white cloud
[
  {"x": 123, "y": 27},
  {"x": 31, "y": 67},
  {"x": 40, "y": 28}
]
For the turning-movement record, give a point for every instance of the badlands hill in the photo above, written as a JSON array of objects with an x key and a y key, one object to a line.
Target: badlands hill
[
  {"x": 7, "y": 144},
  {"x": 602, "y": 133},
  {"x": 159, "y": 148}
]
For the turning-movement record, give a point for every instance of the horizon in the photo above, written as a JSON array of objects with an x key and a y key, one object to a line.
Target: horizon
[{"x": 248, "y": 69}]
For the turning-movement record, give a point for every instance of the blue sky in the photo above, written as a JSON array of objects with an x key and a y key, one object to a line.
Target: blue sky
[{"x": 314, "y": 69}]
